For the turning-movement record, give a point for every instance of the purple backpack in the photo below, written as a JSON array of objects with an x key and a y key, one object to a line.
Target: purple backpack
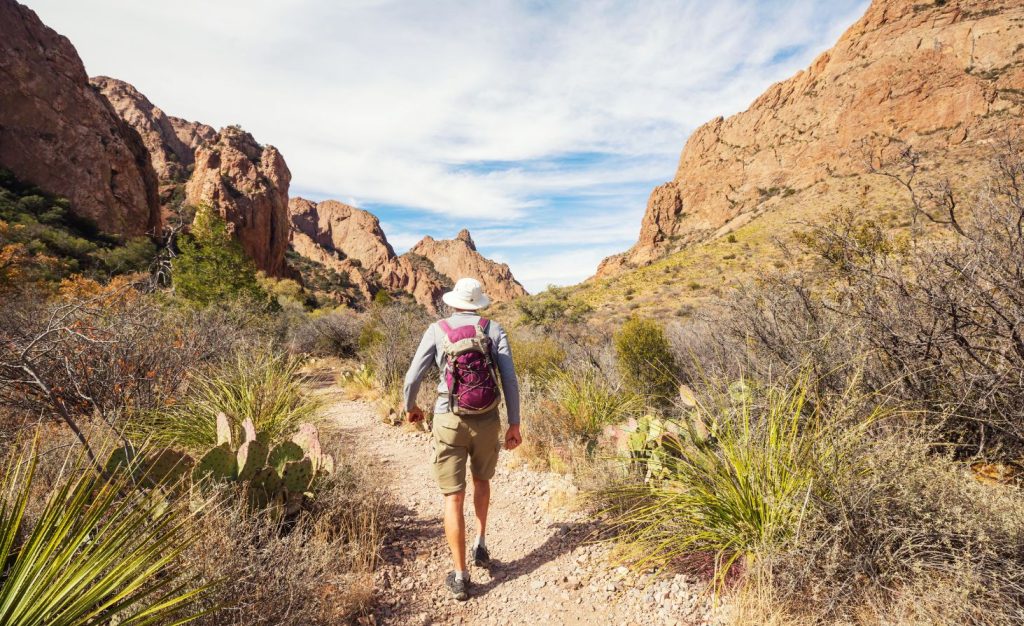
[{"x": 469, "y": 370}]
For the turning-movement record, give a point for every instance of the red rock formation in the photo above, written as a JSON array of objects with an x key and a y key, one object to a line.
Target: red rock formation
[
  {"x": 57, "y": 132},
  {"x": 945, "y": 77},
  {"x": 337, "y": 235},
  {"x": 248, "y": 185},
  {"x": 170, "y": 153},
  {"x": 458, "y": 258}
]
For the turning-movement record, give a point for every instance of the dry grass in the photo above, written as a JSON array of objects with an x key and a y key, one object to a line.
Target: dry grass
[{"x": 318, "y": 570}]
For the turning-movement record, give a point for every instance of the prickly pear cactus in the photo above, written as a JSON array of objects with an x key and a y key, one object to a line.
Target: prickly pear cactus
[
  {"x": 123, "y": 458},
  {"x": 326, "y": 466},
  {"x": 168, "y": 467},
  {"x": 248, "y": 430},
  {"x": 264, "y": 487},
  {"x": 218, "y": 464},
  {"x": 309, "y": 440},
  {"x": 252, "y": 455},
  {"x": 223, "y": 430},
  {"x": 283, "y": 453},
  {"x": 297, "y": 475}
]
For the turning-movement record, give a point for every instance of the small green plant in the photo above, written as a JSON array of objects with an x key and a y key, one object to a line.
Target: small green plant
[
  {"x": 537, "y": 357},
  {"x": 99, "y": 552},
  {"x": 645, "y": 360},
  {"x": 590, "y": 403}
]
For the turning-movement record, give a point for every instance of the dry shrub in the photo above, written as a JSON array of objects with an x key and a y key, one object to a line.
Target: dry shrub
[
  {"x": 111, "y": 351},
  {"x": 389, "y": 340},
  {"x": 335, "y": 333},
  {"x": 931, "y": 318},
  {"x": 912, "y": 537},
  {"x": 317, "y": 571}
]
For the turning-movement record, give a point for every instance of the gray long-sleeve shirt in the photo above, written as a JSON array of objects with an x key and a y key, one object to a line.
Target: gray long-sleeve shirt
[{"x": 431, "y": 352}]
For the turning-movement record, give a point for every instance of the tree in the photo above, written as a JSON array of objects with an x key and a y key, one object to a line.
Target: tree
[{"x": 211, "y": 266}]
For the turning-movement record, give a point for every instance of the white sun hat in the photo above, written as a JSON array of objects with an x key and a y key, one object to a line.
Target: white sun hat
[{"x": 467, "y": 294}]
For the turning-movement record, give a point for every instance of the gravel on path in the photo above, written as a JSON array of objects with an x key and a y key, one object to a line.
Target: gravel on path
[{"x": 546, "y": 568}]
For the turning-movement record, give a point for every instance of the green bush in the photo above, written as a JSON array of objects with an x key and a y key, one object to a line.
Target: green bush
[
  {"x": 552, "y": 308},
  {"x": 212, "y": 267},
  {"x": 645, "y": 360},
  {"x": 587, "y": 403},
  {"x": 537, "y": 358}
]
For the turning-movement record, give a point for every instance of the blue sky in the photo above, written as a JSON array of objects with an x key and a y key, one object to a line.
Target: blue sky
[{"x": 541, "y": 126}]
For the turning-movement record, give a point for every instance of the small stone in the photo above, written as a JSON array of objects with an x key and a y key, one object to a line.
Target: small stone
[{"x": 537, "y": 584}]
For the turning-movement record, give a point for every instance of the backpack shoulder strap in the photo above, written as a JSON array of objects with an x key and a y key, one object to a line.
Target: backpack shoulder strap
[
  {"x": 445, "y": 328},
  {"x": 483, "y": 323}
]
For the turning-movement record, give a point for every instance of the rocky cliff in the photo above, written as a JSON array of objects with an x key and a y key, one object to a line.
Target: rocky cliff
[
  {"x": 171, "y": 141},
  {"x": 458, "y": 257},
  {"x": 57, "y": 132},
  {"x": 944, "y": 76},
  {"x": 245, "y": 181},
  {"x": 351, "y": 241},
  {"x": 248, "y": 184}
]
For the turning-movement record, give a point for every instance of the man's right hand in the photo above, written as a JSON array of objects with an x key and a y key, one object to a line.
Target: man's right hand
[{"x": 414, "y": 415}]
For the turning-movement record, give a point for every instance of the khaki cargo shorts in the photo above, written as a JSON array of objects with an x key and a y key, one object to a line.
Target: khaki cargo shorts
[{"x": 458, "y": 438}]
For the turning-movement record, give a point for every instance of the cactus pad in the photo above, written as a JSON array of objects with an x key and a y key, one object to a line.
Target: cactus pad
[
  {"x": 248, "y": 430},
  {"x": 297, "y": 475},
  {"x": 167, "y": 467},
  {"x": 223, "y": 429},
  {"x": 326, "y": 465},
  {"x": 251, "y": 457},
  {"x": 309, "y": 440},
  {"x": 219, "y": 464},
  {"x": 283, "y": 453},
  {"x": 123, "y": 457}
]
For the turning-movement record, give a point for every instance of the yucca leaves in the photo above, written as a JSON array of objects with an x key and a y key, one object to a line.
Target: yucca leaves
[
  {"x": 98, "y": 552},
  {"x": 741, "y": 491},
  {"x": 263, "y": 387}
]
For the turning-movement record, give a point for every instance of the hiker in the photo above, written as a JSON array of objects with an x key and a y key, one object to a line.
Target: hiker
[{"x": 474, "y": 357}]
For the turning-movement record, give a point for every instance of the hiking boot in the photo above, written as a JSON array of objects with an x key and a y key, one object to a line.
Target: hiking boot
[
  {"x": 457, "y": 587},
  {"x": 481, "y": 558}
]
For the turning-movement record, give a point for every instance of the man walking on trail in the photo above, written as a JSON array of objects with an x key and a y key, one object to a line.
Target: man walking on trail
[{"x": 474, "y": 356}]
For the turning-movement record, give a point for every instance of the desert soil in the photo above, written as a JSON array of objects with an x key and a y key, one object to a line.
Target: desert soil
[{"x": 546, "y": 565}]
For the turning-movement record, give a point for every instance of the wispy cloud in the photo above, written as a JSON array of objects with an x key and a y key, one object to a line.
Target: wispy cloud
[{"x": 495, "y": 114}]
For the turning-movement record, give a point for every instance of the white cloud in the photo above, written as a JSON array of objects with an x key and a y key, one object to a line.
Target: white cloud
[{"x": 385, "y": 101}]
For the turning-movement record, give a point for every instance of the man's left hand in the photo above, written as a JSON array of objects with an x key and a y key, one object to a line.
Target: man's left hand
[{"x": 513, "y": 438}]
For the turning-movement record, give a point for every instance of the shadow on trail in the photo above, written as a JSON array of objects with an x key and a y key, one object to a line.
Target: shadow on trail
[
  {"x": 565, "y": 539},
  {"x": 410, "y": 535}
]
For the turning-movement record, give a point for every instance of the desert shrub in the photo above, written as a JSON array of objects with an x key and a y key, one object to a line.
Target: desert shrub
[
  {"x": 258, "y": 385},
  {"x": 564, "y": 416},
  {"x": 44, "y": 241},
  {"x": 911, "y": 537},
  {"x": 96, "y": 551},
  {"x": 334, "y": 333},
  {"x": 104, "y": 351},
  {"x": 212, "y": 267},
  {"x": 318, "y": 571},
  {"x": 551, "y": 308},
  {"x": 932, "y": 320},
  {"x": 389, "y": 338},
  {"x": 740, "y": 490},
  {"x": 646, "y": 361},
  {"x": 537, "y": 357}
]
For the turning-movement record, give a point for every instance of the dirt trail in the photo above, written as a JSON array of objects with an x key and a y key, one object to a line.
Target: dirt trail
[{"x": 545, "y": 570}]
